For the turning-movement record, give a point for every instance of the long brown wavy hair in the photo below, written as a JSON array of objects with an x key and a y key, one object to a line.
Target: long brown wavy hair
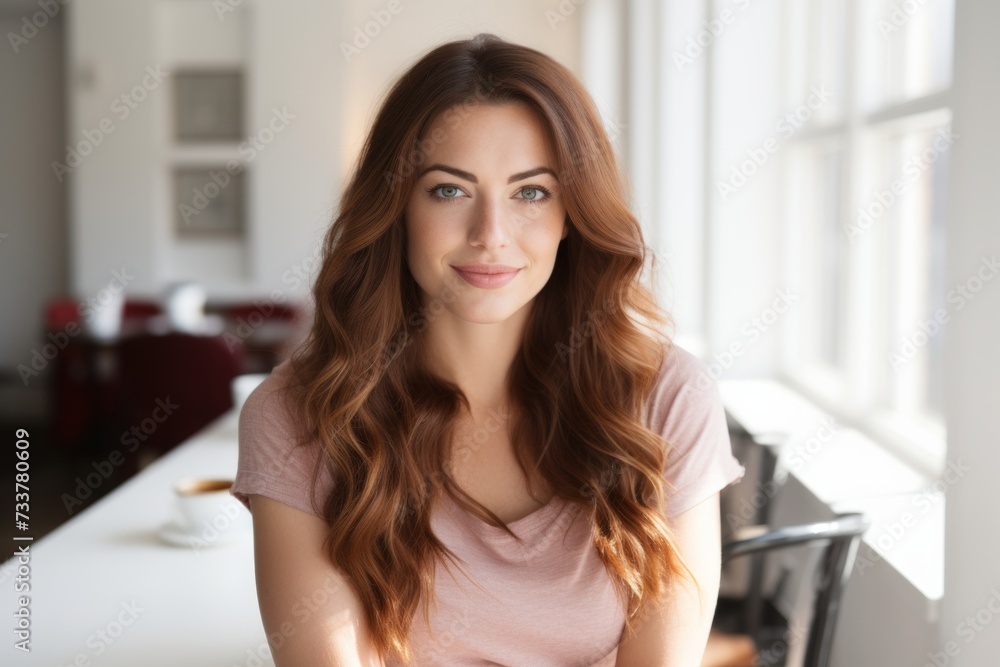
[{"x": 593, "y": 345}]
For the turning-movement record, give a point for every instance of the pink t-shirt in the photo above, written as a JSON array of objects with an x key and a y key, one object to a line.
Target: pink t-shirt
[{"x": 545, "y": 601}]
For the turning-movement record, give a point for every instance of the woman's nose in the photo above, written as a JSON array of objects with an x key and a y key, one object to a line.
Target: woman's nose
[{"x": 493, "y": 224}]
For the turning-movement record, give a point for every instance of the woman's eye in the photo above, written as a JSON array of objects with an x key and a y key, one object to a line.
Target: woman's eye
[
  {"x": 446, "y": 191},
  {"x": 533, "y": 193}
]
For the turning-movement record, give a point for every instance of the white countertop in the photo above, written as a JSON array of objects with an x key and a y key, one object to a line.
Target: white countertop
[{"x": 107, "y": 572}]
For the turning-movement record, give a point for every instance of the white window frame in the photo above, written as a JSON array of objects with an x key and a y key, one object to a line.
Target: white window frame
[{"x": 919, "y": 439}]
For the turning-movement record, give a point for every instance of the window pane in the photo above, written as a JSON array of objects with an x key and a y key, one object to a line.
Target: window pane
[
  {"x": 832, "y": 258},
  {"x": 936, "y": 295},
  {"x": 818, "y": 267},
  {"x": 816, "y": 58},
  {"x": 915, "y": 309},
  {"x": 907, "y": 49},
  {"x": 828, "y": 65}
]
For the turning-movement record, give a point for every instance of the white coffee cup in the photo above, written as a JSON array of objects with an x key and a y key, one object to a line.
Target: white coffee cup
[
  {"x": 209, "y": 511},
  {"x": 185, "y": 306},
  {"x": 105, "y": 320}
]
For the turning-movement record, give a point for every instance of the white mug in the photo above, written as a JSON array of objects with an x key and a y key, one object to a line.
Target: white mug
[
  {"x": 185, "y": 306},
  {"x": 209, "y": 511},
  {"x": 105, "y": 320}
]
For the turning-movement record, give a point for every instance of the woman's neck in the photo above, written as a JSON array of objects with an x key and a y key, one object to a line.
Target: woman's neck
[{"x": 476, "y": 357}]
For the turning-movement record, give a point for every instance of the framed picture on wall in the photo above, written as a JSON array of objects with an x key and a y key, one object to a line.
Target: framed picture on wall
[
  {"x": 208, "y": 105},
  {"x": 208, "y": 202}
]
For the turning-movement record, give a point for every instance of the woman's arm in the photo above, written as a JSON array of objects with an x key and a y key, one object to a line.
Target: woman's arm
[
  {"x": 675, "y": 633},
  {"x": 310, "y": 613}
]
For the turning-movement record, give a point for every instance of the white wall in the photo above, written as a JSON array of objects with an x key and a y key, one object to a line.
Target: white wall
[
  {"x": 111, "y": 192},
  {"x": 33, "y": 244},
  {"x": 121, "y": 213},
  {"x": 972, "y": 545}
]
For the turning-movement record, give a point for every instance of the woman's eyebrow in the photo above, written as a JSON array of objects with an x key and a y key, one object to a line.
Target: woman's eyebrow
[{"x": 461, "y": 173}]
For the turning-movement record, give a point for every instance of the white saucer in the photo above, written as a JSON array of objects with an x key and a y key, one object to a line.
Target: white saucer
[{"x": 179, "y": 535}]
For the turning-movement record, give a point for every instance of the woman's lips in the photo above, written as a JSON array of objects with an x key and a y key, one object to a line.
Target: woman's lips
[{"x": 487, "y": 280}]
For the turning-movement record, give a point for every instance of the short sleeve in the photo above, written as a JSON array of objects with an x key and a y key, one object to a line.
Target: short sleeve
[
  {"x": 686, "y": 409},
  {"x": 270, "y": 463}
]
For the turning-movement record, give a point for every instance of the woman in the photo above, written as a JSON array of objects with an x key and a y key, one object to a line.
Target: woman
[{"x": 485, "y": 452}]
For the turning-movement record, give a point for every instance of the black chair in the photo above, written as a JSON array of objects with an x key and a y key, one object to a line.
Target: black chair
[{"x": 839, "y": 539}]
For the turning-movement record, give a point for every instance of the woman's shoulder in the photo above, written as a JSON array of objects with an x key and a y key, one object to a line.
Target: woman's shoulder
[
  {"x": 275, "y": 457},
  {"x": 268, "y": 423},
  {"x": 680, "y": 372},
  {"x": 681, "y": 366},
  {"x": 686, "y": 410},
  {"x": 270, "y": 400}
]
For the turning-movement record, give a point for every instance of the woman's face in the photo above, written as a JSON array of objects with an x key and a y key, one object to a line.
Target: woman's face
[{"x": 485, "y": 193}]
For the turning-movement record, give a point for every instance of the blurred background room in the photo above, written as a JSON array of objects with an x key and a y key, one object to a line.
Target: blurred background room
[{"x": 815, "y": 181}]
